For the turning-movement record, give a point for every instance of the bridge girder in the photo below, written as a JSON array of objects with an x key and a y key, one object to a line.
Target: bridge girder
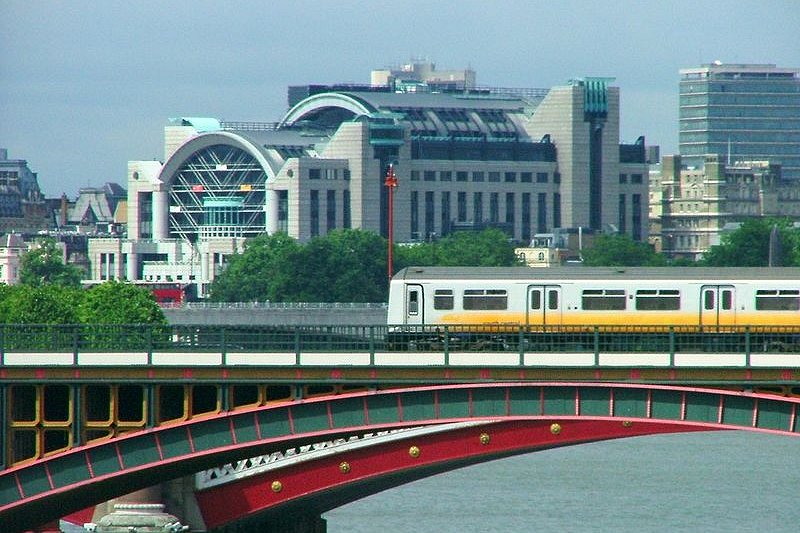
[{"x": 41, "y": 491}]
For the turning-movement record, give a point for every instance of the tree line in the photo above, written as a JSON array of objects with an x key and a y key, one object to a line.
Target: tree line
[
  {"x": 751, "y": 245},
  {"x": 50, "y": 292}
]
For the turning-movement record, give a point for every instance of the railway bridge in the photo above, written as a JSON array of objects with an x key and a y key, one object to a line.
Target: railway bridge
[{"x": 253, "y": 427}]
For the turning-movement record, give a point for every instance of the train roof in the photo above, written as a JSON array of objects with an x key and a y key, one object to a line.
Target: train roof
[{"x": 606, "y": 273}]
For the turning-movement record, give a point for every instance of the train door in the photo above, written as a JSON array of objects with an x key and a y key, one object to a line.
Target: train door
[
  {"x": 544, "y": 305},
  {"x": 414, "y": 305},
  {"x": 717, "y": 305}
]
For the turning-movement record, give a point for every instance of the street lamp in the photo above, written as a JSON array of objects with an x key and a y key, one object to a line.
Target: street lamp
[{"x": 391, "y": 183}]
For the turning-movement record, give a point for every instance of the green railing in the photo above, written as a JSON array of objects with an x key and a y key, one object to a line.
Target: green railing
[{"x": 455, "y": 338}]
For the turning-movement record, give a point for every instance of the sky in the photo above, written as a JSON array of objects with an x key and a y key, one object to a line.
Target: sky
[{"x": 87, "y": 85}]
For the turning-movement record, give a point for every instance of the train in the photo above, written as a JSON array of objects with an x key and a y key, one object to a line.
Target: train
[{"x": 619, "y": 299}]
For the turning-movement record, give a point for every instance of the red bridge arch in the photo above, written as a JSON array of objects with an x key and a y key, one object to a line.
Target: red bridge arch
[{"x": 475, "y": 423}]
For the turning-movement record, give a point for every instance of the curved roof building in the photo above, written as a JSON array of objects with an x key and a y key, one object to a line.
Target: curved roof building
[{"x": 526, "y": 161}]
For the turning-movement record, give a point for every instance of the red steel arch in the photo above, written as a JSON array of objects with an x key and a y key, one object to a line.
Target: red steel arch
[{"x": 516, "y": 417}]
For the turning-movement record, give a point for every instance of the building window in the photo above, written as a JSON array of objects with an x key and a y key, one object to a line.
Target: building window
[
  {"x": 494, "y": 207},
  {"x": 541, "y": 215},
  {"x": 510, "y": 177},
  {"x": 331, "y": 209},
  {"x": 445, "y": 175},
  {"x": 445, "y": 227},
  {"x": 477, "y": 176},
  {"x": 623, "y": 178},
  {"x": 477, "y": 207},
  {"x": 414, "y": 215},
  {"x": 526, "y": 177},
  {"x": 526, "y": 216},
  {"x": 636, "y": 216},
  {"x": 314, "y": 173},
  {"x": 429, "y": 214},
  {"x": 314, "y": 212},
  {"x": 621, "y": 222},
  {"x": 541, "y": 177},
  {"x": 346, "y": 223},
  {"x": 556, "y": 210},
  {"x": 494, "y": 176},
  {"x": 556, "y": 177},
  {"x": 461, "y": 176},
  {"x": 636, "y": 178},
  {"x": 430, "y": 175},
  {"x": 145, "y": 215},
  {"x": 510, "y": 211},
  {"x": 283, "y": 211},
  {"x": 462, "y": 207},
  {"x": 415, "y": 175}
]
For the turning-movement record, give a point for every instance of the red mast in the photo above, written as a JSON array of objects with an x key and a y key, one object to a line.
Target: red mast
[{"x": 391, "y": 183}]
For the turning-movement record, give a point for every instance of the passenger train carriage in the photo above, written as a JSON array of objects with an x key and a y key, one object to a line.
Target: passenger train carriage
[{"x": 640, "y": 299}]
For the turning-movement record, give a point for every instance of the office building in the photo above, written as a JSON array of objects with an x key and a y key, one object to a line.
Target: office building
[
  {"x": 741, "y": 112},
  {"x": 526, "y": 161},
  {"x": 699, "y": 205}
]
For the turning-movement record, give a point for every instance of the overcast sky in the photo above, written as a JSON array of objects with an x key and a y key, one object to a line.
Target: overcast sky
[{"x": 86, "y": 86}]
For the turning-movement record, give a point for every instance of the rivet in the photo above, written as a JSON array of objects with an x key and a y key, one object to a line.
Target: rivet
[
  {"x": 413, "y": 451},
  {"x": 627, "y": 424},
  {"x": 555, "y": 429},
  {"x": 344, "y": 467},
  {"x": 485, "y": 438},
  {"x": 277, "y": 486}
]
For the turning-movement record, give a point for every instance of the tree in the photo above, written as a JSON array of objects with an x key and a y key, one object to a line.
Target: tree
[
  {"x": 43, "y": 265},
  {"x": 47, "y": 304},
  {"x": 490, "y": 247},
  {"x": 115, "y": 302},
  {"x": 621, "y": 250},
  {"x": 750, "y": 244},
  {"x": 344, "y": 266},
  {"x": 259, "y": 273}
]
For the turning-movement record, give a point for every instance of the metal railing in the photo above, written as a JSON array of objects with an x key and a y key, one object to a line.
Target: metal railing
[{"x": 44, "y": 338}]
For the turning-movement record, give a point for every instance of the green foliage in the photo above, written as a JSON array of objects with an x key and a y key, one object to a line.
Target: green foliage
[
  {"x": 621, "y": 250},
  {"x": 490, "y": 247},
  {"x": 749, "y": 245},
  {"x": 344, "y": 266},
  {"x": 260, "y": 273},
  {"x": 114, "y": 302},
  {"x": 47, "y": 304},
  {"x": 43, "y": 265}
]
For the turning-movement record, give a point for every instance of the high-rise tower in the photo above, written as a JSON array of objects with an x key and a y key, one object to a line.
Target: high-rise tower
[{"x": 741, "y": 112}]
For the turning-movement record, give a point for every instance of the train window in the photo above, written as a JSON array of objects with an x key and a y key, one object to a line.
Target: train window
[
  {"x": 536, "y": 300},
  {"x": 727, "y": 300},
  {"x": 552, "y": 299},
  {"x": 658, "y": 300},
  {"x": 778, "y": 300},
  {"x": 413, "y": 302},
  {"x": 603, "y": 300},
  {"x": 443, "y": 299},
  {"x": 708, "y": 299},
  {"x": 479, "y": 299}
]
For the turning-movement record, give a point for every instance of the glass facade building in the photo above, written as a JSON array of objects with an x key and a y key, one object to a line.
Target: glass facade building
[{"x": 741, "y": 112}]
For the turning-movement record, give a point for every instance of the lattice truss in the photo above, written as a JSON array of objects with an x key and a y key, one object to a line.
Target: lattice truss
[{"x": 218, "y": 192}]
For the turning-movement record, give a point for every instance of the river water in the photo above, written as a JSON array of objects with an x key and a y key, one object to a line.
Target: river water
[{"x": 730, "y": 481}]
